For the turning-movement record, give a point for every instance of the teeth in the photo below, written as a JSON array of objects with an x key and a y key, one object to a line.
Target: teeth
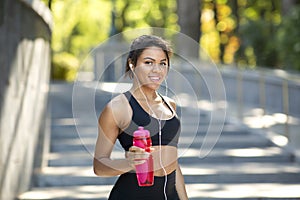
[{"x": 154, "y": 78}]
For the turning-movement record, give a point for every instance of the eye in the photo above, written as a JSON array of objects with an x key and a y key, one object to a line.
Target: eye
[
  {"x": 163, "y": 64},
  {"x": 150, "y": 63}
]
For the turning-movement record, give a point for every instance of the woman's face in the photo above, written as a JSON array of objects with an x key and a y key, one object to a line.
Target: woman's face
[{"x": 151, "y": 67}]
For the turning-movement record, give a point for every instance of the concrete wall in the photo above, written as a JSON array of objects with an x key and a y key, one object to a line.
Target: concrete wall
[{"x": 25, "y": 35}]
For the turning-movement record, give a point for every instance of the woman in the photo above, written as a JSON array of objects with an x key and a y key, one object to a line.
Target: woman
[{"x": 147, "y": 64}]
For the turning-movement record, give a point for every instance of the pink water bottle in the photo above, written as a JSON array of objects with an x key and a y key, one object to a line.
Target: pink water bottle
[{"x": 144, "y": 172}]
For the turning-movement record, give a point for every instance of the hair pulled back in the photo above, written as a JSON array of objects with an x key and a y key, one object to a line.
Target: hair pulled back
[{"x": 139, "y": 44}]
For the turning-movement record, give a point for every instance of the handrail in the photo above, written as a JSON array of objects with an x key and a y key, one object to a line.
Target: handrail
[{"x": 262, "y": 83}]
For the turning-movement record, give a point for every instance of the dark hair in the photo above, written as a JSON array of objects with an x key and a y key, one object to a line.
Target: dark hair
[{"x": 140, "y": 44}]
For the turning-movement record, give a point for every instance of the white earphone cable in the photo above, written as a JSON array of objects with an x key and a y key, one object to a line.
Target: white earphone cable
[
  {"x": 160, "y": 152},
  {"x": 159, "y": 131}
]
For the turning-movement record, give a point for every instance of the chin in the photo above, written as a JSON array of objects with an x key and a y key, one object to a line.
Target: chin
[{"x": 153, "y": 86}]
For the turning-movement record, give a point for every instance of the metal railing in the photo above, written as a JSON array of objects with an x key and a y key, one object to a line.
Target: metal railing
[{"x": 272, "y": 91}]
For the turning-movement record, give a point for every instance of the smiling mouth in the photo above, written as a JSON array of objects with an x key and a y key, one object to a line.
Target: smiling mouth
[{"x": 154, "y": 78}]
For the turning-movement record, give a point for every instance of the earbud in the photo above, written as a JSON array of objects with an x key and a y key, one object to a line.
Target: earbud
[{"x": 131, "y": 66}]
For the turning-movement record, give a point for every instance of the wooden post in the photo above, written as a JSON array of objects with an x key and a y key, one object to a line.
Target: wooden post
[{"x": 285, "y": 100}]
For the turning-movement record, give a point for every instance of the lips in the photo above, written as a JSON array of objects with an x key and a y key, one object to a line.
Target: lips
[{"x": 154, "y": 78}]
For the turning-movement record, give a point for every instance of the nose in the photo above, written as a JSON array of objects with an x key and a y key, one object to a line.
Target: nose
[{"x": 158, "y": 67}]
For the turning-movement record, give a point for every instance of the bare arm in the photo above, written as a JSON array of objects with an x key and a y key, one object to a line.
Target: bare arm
[
  {"x": 180, "y": 185},
  {"x": 108, "y": 131},
  {"x": 111, "y": 118}
]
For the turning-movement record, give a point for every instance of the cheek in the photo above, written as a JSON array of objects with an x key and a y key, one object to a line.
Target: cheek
[
  {"x": 140, "y": 74},
  {"x": 143, "y": 70},
  {"x": 165, "y": 73},
  {"x": 139, "y": 71}
]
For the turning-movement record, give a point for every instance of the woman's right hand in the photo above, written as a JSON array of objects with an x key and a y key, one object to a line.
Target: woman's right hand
[{"x": 136, "y": 156}]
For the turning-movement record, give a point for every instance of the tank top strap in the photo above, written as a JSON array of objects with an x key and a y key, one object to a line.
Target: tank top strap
[
  {"x": 127, "y": 95},
  {"x": 135, "y": 106},
  {"x": 170, "y": 128},
  {"x": 168, "y": 105},
  {"x": 139, "y": 115}
]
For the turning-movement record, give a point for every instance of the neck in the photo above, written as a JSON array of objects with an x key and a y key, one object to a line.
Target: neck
[{"x": 143, "y": 93}]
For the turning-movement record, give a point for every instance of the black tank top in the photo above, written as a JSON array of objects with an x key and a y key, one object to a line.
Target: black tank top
[{"x": 170, "y": 128}]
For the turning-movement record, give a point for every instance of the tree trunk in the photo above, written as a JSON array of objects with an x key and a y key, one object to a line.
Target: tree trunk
[
  {"x": 189, "y": 21},
  {"x": 286, "y": 5},
  {"x": 222, "y": 46},
  {"x": 234, "y": 7}
]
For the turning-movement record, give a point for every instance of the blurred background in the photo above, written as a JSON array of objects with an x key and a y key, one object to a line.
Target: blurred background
[
  {"x": 243, "y": 33},
  {"x": 253, "y": 44}
]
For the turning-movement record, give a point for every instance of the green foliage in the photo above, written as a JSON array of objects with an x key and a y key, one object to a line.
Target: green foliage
[
  {"x": 132, "y": 14},
  {"x": 257, "y": 44},
  {"x": 79, "y": 25},
  {"x": 65, "y": 66},
  {"x": 269, "y": 39},
  {"x": 289, "y": 40},
  {"x": 249, "y": 32},
  {"x": 259, "y": 21}
]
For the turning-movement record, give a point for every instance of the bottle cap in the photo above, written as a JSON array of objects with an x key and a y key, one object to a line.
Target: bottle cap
[{"x": 141, "y": 132}]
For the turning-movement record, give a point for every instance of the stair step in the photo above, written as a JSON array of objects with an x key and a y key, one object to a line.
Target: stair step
[
  {"x": 236, "y": 164},
  {"x": 70, "y": 176},
  {"x": 88, "y": 192},
  {"x": 224, "y": 141},
  {"x": 190, "y": 155},
  {"x": 204, "y": 173},
  {"x": 249, "y": 191},
  {"x": 235, "y": 155},
  {"x": 70, "y": 131}
]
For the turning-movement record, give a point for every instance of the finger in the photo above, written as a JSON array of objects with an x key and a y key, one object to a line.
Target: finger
[
  {"x": 152, "y": 149},
  {"x": 138, "y": 156},
  {"x": 139, "y": 161},
  {"x": 136, "y": 149},
  {"x": 132, "y": 161}
]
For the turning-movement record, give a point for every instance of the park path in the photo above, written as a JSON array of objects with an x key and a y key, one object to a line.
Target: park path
[{"x": 242, "y": 165}]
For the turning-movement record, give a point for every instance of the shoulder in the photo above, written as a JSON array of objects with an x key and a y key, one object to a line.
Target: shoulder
[
  {"x": 117, "y": 110},
  {"x": 170, "y": 102},
  {"x": 118, "y": 101},
  {"x": 117, "y": 105}
]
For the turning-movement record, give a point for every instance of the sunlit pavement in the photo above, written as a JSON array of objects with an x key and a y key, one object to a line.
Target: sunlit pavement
[{"x": 243, "y": 164}]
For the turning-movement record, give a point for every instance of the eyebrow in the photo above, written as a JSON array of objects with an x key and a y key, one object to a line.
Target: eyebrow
[{"x": 154, "y": 59}]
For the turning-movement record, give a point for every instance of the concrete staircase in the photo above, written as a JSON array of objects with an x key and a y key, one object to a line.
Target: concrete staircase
[{"x": 242, "y": 165}]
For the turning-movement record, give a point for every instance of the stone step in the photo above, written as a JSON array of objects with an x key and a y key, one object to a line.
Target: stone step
[
  {"x": 263, "y": 155},
  {"x": 241, "y": 164},
  {"x": 70, "y": 176},
  {"x": 201, "y": 173},
  {"x": 224, "y": 141},
  {"x": 71, "y": 131},
  {"x": 228, "y": 129},
  {"x": 213, "y": 191},
  {"x": 188, "y": 155},
  {"x": 231, "y": 173}
]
